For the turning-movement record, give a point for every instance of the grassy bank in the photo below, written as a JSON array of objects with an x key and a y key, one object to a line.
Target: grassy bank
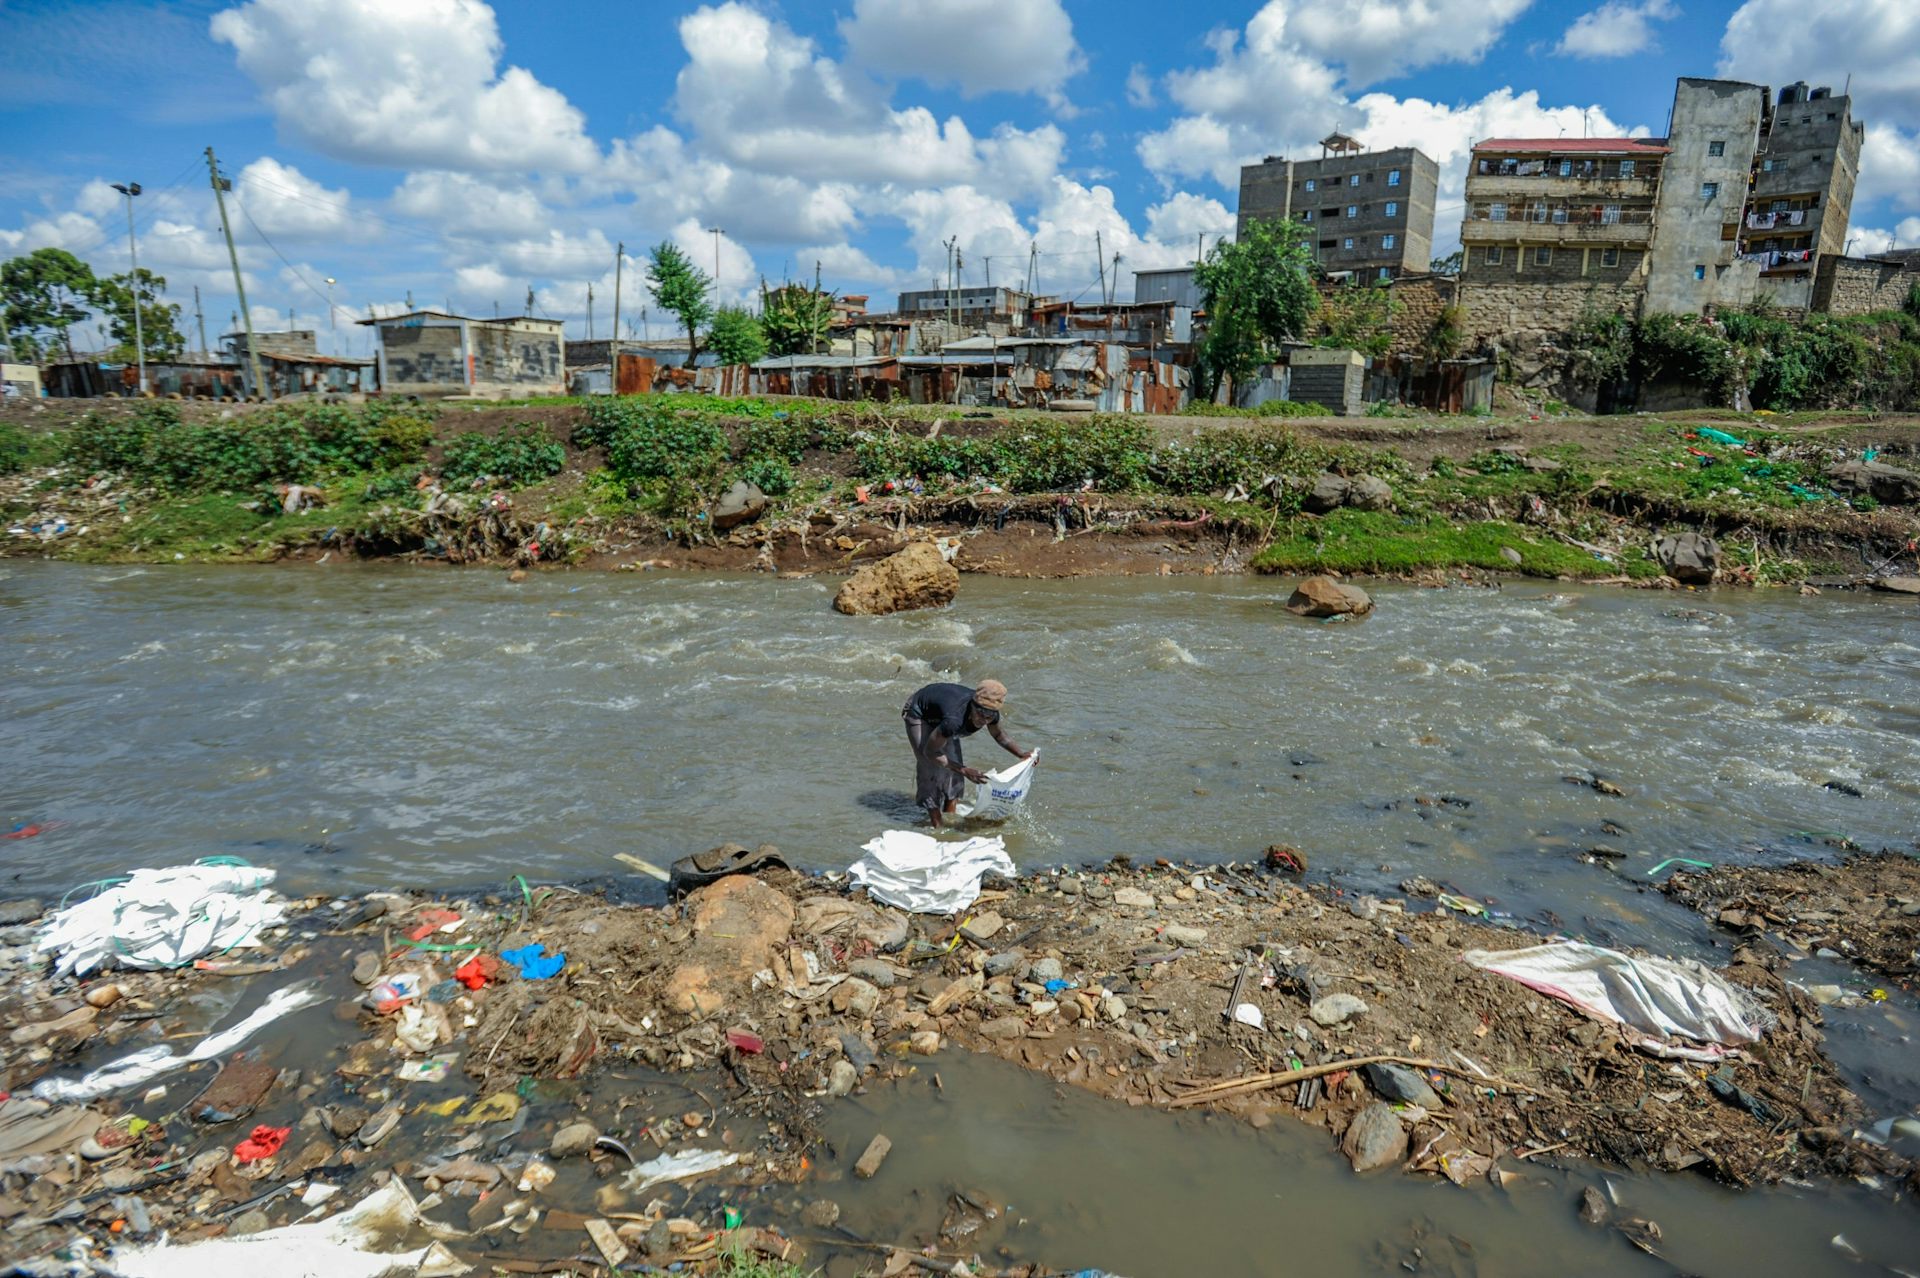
[{"x": 566, "y": 480}]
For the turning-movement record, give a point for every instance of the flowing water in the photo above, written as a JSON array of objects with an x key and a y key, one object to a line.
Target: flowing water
[{"x": 366, "y": 726}]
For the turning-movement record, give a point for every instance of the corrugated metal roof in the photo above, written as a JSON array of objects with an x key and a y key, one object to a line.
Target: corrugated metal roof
[{"x": 791, "y": 362}]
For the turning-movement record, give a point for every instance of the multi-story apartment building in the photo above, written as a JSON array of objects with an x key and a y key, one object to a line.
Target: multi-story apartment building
[
  {"x": 1370, "y": 212},
  {"x": 1560, "y": 210},
  {"x": 1737, "y": 204}
]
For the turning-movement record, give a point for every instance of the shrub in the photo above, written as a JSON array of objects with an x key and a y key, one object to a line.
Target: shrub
[
  {"x": 21, "y": 448},
  {"x": 524, "y": 453},
  {"x": 1211, "y": 460},
  {"x": 1053, "y": 455},
  {"x": 771, "y": 475},
  {"x": 288, "y": 444},
  {"x": 656, "y": 443}
]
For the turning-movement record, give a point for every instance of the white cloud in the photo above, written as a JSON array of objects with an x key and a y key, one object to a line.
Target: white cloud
[
  {"x": 1877, "y": 42},
  {"x": 842, "y": 264},
  {"x": 1139, "y": 87},
  {"x": 1187, "y": 216},
  {"x": 977, "y": 46},
  {"x": 413, "y": 84},
  {"x": 1377, "y": 39},
  {"x": 478, "y": 287},
  {"x": 463, "y": 204},
  {"x": 1614, "y": 30},
  {"x": 283, "y": 201},
  {"x": 1889, "y": 167}
]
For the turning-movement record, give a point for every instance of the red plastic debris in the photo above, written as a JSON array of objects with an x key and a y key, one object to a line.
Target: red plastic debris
[
  {"x": 477, "y": 971},
  {"x": 751, "y": 1044},
  {"x": 265, "y": 1142},
  {"x": 431, "y": 921}
]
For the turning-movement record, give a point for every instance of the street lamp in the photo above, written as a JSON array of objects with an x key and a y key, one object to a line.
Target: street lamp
[
  {"x": 131, "y": 189},
  {"x": 716, "y": 232},
  {"x": 330, "y": 328}
]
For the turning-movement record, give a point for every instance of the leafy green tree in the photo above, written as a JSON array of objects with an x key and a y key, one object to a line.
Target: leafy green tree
[
  {"x": 1451, "y": 264},
  {"x": 1258, "y": 292},
  {"x": 736, "y": 336},
  {"x": 159, "y": 324},
  {"x": 1358, "y": 319},
  {"x": 797, "y": 319},
  {"x": 43, "y": 295},
  {"x": 680, "y": 287}
]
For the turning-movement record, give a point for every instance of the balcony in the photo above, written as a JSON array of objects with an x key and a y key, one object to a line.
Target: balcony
[
  {"x": 1563, "y": 227},
  {"x": 1552, "y": 186}
]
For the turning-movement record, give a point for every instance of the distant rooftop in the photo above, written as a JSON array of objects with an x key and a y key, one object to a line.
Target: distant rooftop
[{"x": 1579, "y": 146}]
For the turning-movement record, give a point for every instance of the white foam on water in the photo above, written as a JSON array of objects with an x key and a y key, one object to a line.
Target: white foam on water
[
  {"x": 1415, "y": 666},
  {"x": 1167, "y": 654},
  {"x": 151, "y": 648}
]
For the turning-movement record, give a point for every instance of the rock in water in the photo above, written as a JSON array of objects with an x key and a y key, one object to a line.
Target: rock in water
[
  {"x": 1593, "y": 1206},
  {"x": 1691, "y": 557},
  {"x": 1375, "y": 1139},
  {"x": 741, "y": 504},
  {"x": 917, "y": 577},
  {"x": 1325, "y": 597},
  {"x": 573, "y": 1140}
]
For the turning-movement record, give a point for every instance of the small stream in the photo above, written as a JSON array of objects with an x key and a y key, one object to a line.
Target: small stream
[{"x": 358, "y": 727}]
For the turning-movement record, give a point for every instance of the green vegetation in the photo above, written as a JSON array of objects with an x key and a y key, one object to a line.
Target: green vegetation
[
  {"x": 736, "y": 336},
  {"x": 740, "y": 1264},
  {"x": 1258, "y": 292},
  {"x": 522, "y": 454},
  {"x": 42, "y": 296},
  {"x": 797, "y": 319},
  {"x": 153, "y": 446},
  {"x": 1358, "y": 318},
  {"x": 682, "y": 289},
  {"x": 1368, "y": 541},
  {"x": 22, "y": 449}
]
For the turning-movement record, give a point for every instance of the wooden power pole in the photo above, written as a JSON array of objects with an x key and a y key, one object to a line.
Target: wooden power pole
[{"x": 220, "y": 187}]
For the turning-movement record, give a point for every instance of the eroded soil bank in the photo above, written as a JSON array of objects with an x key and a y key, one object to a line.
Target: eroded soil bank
[{"x": 730, "y": 1022}]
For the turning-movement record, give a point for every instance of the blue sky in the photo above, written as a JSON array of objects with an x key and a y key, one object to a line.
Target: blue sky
[{"x": 461, "y": 153}]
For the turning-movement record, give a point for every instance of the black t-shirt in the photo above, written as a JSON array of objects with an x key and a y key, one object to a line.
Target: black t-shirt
[{"x": 945, "y": 705}]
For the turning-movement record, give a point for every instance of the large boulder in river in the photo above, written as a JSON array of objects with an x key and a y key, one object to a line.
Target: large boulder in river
[
  {"x": 1692, "y": 558},
  {"x": 741, "y": 504},
  {"x": 917, "y": 577},
  {"x": 1325, "y": 597},
  {"x": 1888, "y": 485}
]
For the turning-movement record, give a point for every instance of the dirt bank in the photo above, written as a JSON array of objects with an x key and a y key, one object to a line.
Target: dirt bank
[{"x": 1865, "y": 909}]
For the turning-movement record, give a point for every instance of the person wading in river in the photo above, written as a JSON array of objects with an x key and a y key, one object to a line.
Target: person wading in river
[{"x": 937, "y": 717}]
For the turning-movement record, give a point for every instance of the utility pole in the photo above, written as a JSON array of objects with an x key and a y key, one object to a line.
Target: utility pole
[
  {"x": 1100, "y": 259},
  {"x": 613, "y": 347},
  {"x": 589, "y": 311},
  {"x": 331, "y": 328},
  {"x": 131, "y": 189},
  {"x": 220, "y": 187},
  {"x": 529, "y": 299},
  {"x": 716, "y": 232},
  {"x": 200, "y": 320}
]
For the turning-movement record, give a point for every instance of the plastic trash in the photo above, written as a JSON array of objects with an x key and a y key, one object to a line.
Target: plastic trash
[
  {"x": 496, "y": 1108},
  {"x": 434, "y": 1069},
  {"x": 683, "y": 1165},
  {"x": 344, "y": 1246},
  {"x": 925, "y": 875},
  {"x": 477, "y": 971},
  {"x": 1721, "y": 437},
  {"x": 533, "y": 963},
  {"x": 1659, "y": 998},
  {"x": 263, "y": 1142},
  {"x": 130, "y": 1071},
  {"x": 394, "y": 992},
  {"x": 164, "y": 918},
  {"x": 1002, "y": 794}
]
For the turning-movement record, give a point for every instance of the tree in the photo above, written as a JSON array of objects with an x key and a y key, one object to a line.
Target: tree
[
  {"x": 1450, "y": 264},
  {"x": 44, "y": 294},
  {"x": 797, "y": 319},
  {"x": 736, "y": 336},
  {"x": 159, "y": 324},
  {"x": 1358, "y": 319},
  {"x": 1258, "y": 292},
  {"x": 680, "y": 287}
]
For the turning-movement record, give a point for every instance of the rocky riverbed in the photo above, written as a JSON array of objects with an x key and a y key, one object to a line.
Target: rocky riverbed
[{"x": 657, "y": 1099}]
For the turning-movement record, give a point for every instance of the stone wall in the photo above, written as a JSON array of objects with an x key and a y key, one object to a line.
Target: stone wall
[
  {"x": 1418, "y": 302},
  {"x": 1855, "y": 286},
  {"x": 1526, "y": 321}
]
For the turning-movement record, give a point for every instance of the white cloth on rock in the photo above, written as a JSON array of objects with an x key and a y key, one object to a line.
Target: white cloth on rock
[
  {"x": 925, "y": 875},
  {"x": 163, "y": 918}
]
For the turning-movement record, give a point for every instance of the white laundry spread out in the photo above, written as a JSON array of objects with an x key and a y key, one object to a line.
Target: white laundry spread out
[
  {"x": 1660, "y": 998},
  {"x": 925, "y": 875},
  {"x": 344, "y": 1246},
  {"x": 164, "y": 918},
  {"x": 1002, "y": 794},
  {"x": 152, "y": 1062}
]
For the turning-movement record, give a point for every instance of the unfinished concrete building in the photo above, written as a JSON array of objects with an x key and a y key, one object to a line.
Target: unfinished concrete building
[
  {"x": 1802, "y": 192},
  {"x": 1694, "y": 265},
  {"x": 1560, "y": 210},
  {"x": 1371, "y": 212},
  {"x": 433, "y": 353}
]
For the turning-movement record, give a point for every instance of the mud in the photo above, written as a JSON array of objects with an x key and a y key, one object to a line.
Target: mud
[{"x": 1865, "y": 909}]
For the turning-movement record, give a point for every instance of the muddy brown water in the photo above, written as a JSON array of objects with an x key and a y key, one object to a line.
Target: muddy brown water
[{"x": 360, "y": 727}]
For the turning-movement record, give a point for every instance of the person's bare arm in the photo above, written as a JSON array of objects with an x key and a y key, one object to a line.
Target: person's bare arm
[
  {"x": 1008, "y": 746},
  {"x": 937, "y": 749}
]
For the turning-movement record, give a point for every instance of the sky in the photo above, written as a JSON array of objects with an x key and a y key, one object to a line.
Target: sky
[{"x": 459, "y": 153}]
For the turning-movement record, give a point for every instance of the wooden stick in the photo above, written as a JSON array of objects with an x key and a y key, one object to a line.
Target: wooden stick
[{"x": 1260, "y": 1082}]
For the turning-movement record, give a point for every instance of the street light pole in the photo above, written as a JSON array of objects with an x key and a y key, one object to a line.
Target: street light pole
[
  {"x": 330, "y": 326},
  {"x": 716, "y": 232},
  {"x": 131, "y": 189}
]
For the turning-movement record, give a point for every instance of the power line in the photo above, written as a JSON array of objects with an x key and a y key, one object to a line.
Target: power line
[{"x": 297, "y": 272}]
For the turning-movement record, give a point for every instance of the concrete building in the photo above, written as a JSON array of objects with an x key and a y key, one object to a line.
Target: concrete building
[
  {"x": 968, "y": 305},
  {"x": 1714, "y": 136},
  {"x": 1802, "y": 192},
  {"x": 1169, "y": 284},
  {"x": 1371, "y": 212},
  {"x": 1560, "y": 210},
  {"x": 433, "y": 353}
]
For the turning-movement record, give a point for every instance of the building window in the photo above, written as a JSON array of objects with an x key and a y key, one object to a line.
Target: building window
[
  {"x": 1310, "y": 184},
  {"x": 1307, "y": 216},
  {"x": 1766, "y": 166},
  {"x": 1326, "y": 244},
  {"x": 1386, "y": 241},
  {"x": 1560, "y": 213},
  {"x": 1716, "y": 148},
  {"x": 1393, "y": 208},
  {"x": 1385, "y": 273},
  {"x": 1537, "y": 211},
  {"x": 1626, "y": 168},
  {"x": 1566, "y": 168},
  {"x": 1354, "y": 180},
  {"x": 1393, "y": 177},
  {"x": 1610, "y": 215},
  {"x": 1609, "y": 257},
  {"x": 1709, "y": 190},
  {"x": 1542, "y": 256},
  {"x": 1699, "y": 272},
  {"x": 1819, "y": 159},
  {"x": 1806, "y": 119},
  {"x": 1833, "y": 115},
  {"x": 1496, "y": 213},
  {"x": 1494, "y": 254},
  {"x": 1353, "y": 210},
  {"x": 1347, "y": 243}
]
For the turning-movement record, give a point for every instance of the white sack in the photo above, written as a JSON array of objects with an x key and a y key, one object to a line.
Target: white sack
[
  {"x": 1661, "y": 998},
  {"x": 920, "y": 873},
  {"x": 342, "y": 1247},
  {"x": 1002, "y": 794},
  {"x": 683, "y": 1165},
  {"x": 152, "y": 1062},
  {"x": 164, "y": 918}
]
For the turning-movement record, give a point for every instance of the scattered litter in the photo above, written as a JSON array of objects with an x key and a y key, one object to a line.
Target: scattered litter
[
  {"x": 1464, "y": 905},
  {"x": 32, "y": 1127},
  {"x": 130, "y": 1071},
  {"x": 533, "y": 962},
  {"x": 397, "y": 990},
  {"x": 1661, "y": 998},
  {"x": 263, "y": 1142},
  {"x": 340, "y": 1247},
  {"x": 477, "y": 971},
  {"x": 1002, "y": 794},
  {"x": 431, "y": 1070},
  {"x": 495, "y": 1108},
  {"x": 925, "y": 875},
  {"x": 1679, "y": 860},
  {"x": 1250, "y": 1014},
  {"x": 164, "y": 918},
  {"x": 684, "y": 1165}
]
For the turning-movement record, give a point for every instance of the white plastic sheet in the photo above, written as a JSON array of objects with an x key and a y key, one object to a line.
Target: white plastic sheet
[
  {"x": 152, "y": 1062},
  {"x": 346, "y": 1246},
  {"x": 683, "y": 1165},
  {"x": 164, "y": 918},
  {"x": 925, "y": 875},
  {"x": 1660, "y": 998},
  {"x": 1002, "y": 794}
]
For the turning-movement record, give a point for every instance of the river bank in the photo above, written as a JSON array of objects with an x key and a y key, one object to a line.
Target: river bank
[
  {"x": 638, "y": 483},
  {"x": 515, "y": 1105}
]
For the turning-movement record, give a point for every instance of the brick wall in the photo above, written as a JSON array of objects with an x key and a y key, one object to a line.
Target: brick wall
[
  {"x": 1854, "y": 286},
  {"x": 1419, "y": 300}
]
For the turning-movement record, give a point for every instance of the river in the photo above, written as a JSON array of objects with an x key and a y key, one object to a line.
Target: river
[{"x": 356, "y": 727}]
